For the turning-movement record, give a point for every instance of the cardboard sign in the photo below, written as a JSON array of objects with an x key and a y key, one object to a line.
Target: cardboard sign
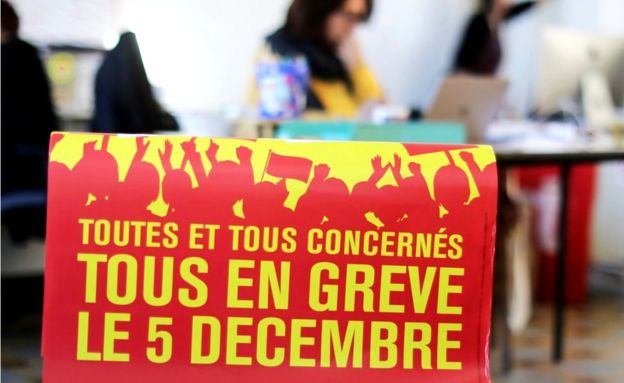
[{"x": 176, "y": 259}]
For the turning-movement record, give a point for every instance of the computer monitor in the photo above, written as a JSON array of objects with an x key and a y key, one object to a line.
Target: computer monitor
[{"x": 566, "y": 56}]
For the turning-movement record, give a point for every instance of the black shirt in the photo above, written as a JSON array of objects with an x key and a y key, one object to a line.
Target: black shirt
[
  {"x": 28, "y": 117},
  {"x": 480, "y": 51}
]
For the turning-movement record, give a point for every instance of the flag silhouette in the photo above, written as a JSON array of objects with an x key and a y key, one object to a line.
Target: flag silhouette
[
  {"x": 414, "y": 150},
  {"x": 289, "y": 167}
]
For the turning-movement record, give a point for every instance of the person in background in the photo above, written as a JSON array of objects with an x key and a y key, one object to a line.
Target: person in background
[
  {"x": 480, "y": 51},
  {"x": 322, "y": 31},
  {"x": 28, "y": 118},
  {"x": 124, "y": 102}
]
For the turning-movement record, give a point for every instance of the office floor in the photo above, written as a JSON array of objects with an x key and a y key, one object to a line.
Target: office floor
[
  {"x": 594, "y": 347},
  {"x": 21, "y": 360}
]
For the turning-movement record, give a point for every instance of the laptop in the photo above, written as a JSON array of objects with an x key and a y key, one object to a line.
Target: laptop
[{"x": 471, "y": 100}]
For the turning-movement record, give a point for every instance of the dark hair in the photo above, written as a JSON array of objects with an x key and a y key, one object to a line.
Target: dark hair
[
  {"x": 306, "y": 19},
  {"x": 10, "y": 20}
]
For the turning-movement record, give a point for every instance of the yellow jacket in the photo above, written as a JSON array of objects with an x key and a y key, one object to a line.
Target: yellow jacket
[{"x": 336, "y": 98}]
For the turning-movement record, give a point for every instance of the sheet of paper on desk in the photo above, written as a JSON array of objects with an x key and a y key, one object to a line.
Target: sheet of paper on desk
[
  {"x": 508, "y": 130},
  {"x": 530, "y": 136}
]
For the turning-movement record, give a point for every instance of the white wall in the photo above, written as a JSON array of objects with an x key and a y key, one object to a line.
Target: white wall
[
  {"x": 608, "y": 214},
  {"x": 410, "y": 45},
  {"x": 200, "y": 51},
  {"x": 65, "y": 21}
]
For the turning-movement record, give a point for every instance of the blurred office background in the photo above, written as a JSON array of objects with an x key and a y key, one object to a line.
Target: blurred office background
[{"x": 199, "y": 56}]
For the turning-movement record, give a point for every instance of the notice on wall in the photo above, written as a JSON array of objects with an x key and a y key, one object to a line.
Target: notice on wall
[{"x": 180, "y": 259}]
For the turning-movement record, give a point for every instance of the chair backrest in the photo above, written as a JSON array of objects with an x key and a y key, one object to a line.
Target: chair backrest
[
  {"x": 422, "y": 131},
  {"x": 316, "y": 130}
]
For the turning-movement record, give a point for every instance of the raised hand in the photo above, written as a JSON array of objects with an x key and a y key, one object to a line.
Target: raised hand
[
  {"x": 321, "y": 171},
  {"x": 397, "y": 161},
  {"x": 396, "y": 168},
  {"x": 211, "y": 153},
  {"x": 142, "y": 146},
  {"x": 376, "y": 163},
  {"x": 165, "y": 155},
  {"x": 414, "y": 167}
]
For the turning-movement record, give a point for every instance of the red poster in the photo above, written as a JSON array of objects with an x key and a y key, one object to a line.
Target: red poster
[{"x": 176, "y": 259}]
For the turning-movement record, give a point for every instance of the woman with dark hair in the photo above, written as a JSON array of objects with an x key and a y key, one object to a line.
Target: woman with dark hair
[
  {"x": 322, "y": 32},
  {"x": 124, "y": 102},
  {"x": 480, "y": 51}
]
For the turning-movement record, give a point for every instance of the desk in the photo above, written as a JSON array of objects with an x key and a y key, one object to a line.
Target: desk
[
  {"x": 531, "y": 144},
  {"x": 565, "y": 158}
]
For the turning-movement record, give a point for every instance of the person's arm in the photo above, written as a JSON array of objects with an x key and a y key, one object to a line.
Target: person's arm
[
  {"x": 378, "y": 170},
  {"x": 165, "y": 157},
  {"x": 192, "y": 156},
  {"x": 518, "y": 9},
  {"x": 211, "y": 152},
  {"x": 396, "y": 170},
  {"x": 476, "y": 35}
]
